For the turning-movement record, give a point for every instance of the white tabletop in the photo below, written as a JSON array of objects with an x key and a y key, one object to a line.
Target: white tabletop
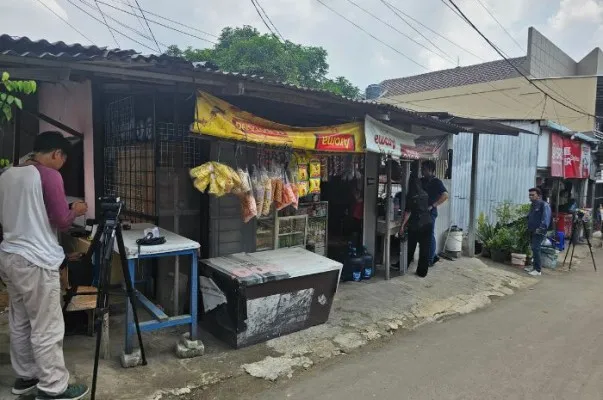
[
  {"x": 285, "y": 263},
  {"x": 173, "y": 242}
]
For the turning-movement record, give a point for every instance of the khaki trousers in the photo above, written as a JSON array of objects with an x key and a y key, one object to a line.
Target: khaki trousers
[{"x": 36, "y": 323}]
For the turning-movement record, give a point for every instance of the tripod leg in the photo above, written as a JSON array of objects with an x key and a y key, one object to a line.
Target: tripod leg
[
  {"x": 102, "y": 302},
  {"x": 572, "y": 257},
  {"x": 590, "y": 248},
  {"x": 129, "y": 289}
]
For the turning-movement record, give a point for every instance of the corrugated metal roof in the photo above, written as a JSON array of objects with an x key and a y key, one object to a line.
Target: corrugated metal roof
[
  {"x": 43, "y": 49},
  {"x": 78, "y": 53},
  {"x": 460, "y": 76}
]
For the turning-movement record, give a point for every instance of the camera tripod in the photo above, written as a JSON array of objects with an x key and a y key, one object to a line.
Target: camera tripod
[
  {"x": 578, "y": 222},
  {"x": 109, "y": 230}
]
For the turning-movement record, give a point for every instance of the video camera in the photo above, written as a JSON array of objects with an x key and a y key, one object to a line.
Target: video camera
[{"x": 110, "y": 207}]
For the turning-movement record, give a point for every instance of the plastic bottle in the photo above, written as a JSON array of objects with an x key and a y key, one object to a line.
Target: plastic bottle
[{"x": 367, "y": 271}]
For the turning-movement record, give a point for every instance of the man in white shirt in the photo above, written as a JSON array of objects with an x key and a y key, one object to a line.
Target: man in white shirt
[{"x": 32, "y": 208}]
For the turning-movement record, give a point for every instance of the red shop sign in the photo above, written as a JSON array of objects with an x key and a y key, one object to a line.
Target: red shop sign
[
  {"x": 572, "y": 154},
  {"x": 556, "y": 155}
]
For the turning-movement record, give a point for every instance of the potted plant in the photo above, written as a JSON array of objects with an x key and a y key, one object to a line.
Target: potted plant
[
  {"x": 485, "y": 232},
  {"x": 501, "y": 244}
]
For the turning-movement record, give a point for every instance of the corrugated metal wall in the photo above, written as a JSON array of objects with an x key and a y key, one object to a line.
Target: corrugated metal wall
[{"x": 506, "y": 170}]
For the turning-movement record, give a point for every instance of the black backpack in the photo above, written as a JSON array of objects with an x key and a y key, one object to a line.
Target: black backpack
[{"x": 419, "y": 206}]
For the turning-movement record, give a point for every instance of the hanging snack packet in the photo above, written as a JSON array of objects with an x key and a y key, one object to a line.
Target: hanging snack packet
[
  {"x": 314, "y": 186},
  {"x": 315, "y": 169}
]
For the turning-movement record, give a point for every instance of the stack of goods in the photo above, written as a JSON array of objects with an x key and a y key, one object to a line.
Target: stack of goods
[{"x": 257, "y": 191}]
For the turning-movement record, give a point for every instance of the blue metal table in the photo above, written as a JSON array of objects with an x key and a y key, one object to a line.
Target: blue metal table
[{"x": 175, "y": 246}]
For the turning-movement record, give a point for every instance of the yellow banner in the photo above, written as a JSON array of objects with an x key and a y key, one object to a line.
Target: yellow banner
[{"x": 218, "y": 118}]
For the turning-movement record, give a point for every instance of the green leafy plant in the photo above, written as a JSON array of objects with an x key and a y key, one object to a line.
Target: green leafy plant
[
  {"x": 503, "y": 239},
  {"x": 511, "y": 230},
  {"x": 8, "y": 95},
  {"x": 485, "y": 230}
]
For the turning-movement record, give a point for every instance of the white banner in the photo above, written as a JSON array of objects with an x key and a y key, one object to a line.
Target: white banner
[{"x": 383, "y": 139}]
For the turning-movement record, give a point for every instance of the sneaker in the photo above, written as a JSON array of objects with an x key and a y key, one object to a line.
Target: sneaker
[
  {"x": 73, "y": 392},
  {"x": 24, "y": 386},
  {"x": 528, "y": 269},
  {"x": 535, "y": 273}
]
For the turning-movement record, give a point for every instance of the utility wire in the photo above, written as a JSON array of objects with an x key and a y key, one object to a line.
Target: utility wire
[
  {"x": 148, "y": 26},
  {"x": 399, "y": 14},
  {"x": 370, "y": 34},
  {"x": 571, "y": 106},
  {"x": 481, "y": 3},
  {"x": 269, "y": 20},
  {"x": 139, "y": 33},
  {"x": 443, "y": 56},
  {"x": 106, "y": 24},
  {"x": 129, "y": 4},
  {"x": 158, "y": 23},
  {"x": 166, "y": 19},
  {"x": 110, "y": 28},
  {"x": 66, "y": 22},
  {"x": 526, "y": 72},
  {"x": 257, "y": 10}
]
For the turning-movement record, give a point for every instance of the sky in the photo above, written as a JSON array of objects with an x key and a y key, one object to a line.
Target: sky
[{"x": 355, "y": 51}]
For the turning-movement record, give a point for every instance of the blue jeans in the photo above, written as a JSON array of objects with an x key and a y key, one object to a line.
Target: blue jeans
[
  {"x": 536, "y": 245},
  {"x": 433, "y": 248}
]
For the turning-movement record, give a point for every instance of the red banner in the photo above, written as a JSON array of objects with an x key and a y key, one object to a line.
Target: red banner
[
  {"x": 572, "y": 155},
  {"x": 556, "y": 155},
  {"x": 335, "y": 142}
]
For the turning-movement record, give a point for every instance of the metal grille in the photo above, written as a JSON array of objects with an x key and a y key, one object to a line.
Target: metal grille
[
  {"x": 177, "y": 147},
  {"x": 130, "y": 159}
]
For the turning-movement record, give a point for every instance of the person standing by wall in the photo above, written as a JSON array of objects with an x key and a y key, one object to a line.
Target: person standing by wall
[
  {"x": 539, "y": 219},
  {"x": 438, "y": 195},
  {"x": 417, "y": 216},
  {"x": 32, "y": 208}
]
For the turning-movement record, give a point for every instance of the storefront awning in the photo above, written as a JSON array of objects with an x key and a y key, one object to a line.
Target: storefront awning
[
  {"x": 220, "y": 119},
  {"x": 384, "y": 139}
]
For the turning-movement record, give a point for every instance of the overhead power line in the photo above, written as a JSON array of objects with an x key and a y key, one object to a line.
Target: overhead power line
[
  {"x": 148, "y": 26},
  {"x": 257, "y": 10},
  {"x": 443, "y": 54},
  {"x": 571, "y": 106},
  {"x": 399, "y": 13},
  {"x": 111, "y": 28},
  {"x": 481, "y": 3},
  {"x": 106, "y": 24},
  {"x": 166, "y": 19},
  {"x": 257, "y": 2},
  {"x": 128, "y": 27},
  {"x": 159, "y": 23},
  {"x": 370, "y": 34},
  {"x": 66, "y": 22}
]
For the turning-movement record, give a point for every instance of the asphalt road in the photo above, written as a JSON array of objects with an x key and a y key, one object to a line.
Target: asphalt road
[{"x": 544, "y": 343}]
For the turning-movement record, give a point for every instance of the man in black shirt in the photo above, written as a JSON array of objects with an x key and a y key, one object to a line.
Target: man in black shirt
[{"x": 437, "y": 196}]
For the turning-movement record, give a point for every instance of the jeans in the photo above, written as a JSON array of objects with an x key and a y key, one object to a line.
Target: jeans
[
  {"x": 536, "y": 245},
  {"x": 422, "y": 237},
  {"x": 433, "y": 247}
]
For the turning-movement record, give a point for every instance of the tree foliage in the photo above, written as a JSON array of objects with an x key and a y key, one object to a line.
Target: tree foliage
[
  {"x": 8, "y": 91},
  {"x": 247, "y": 51}
]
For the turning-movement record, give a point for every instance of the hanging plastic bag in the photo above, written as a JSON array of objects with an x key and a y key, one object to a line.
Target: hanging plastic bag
[
  {"x": 258, "y": 191},
  {"x": 248, "y": 204},
  {"x": 267, "y": 183},
  {"x": 245, "y": 180}
]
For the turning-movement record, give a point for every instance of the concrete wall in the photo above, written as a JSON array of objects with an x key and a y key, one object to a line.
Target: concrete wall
[
  {"x": 546, "y": 59},
  {"x": 511, "y": 99},
  {"x": 592, "y": 64},
  {"x": 71, "y": 104}
]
